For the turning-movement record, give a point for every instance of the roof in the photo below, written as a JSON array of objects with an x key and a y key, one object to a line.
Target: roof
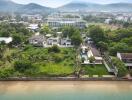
[
  {"x": 95, "y": 52},
  {"x": 126, "y": 55},
  {"x": 33, "y": 26},
  {"x": 39, "y": 38},
  {"x": 6, "y": 39}
]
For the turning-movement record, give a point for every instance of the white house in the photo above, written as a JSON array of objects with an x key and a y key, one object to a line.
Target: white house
[
  {"x": 91, "y": 51},
  {"x": 7, "y": 40},
  {"x": 66, "y": 42},
  {"x": 33, "y": 26},
  {"x": 53, "y": 41}
]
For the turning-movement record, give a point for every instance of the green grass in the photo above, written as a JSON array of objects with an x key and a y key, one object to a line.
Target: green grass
[
  {"x": 45, "y": 64},
  {"x": 95, "y": 70},
  {"x": 53, "y": 69},
  {"x": 105, "y": 26}
]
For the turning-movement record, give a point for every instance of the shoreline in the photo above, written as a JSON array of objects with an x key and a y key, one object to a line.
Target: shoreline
[
  {"x": 19, "y": 87},
  {"x": 62, "y": 79}
]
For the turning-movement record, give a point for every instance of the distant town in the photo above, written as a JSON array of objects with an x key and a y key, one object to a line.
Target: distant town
[{"x": 66, "y": 44}]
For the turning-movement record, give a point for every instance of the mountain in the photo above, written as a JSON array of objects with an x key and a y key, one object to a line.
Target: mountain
[
  {"x": 8, "y": 6},
  {"x": 85, "y": 6},
  {"x": 32, "y": 8}
]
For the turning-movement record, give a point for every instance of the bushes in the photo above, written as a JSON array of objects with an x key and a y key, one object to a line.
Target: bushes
[
  {"x": 22, "y": 65},
  {"x": 122, "y": 70},
  {"x": 58, "y": 58},
  {"x": 5, "y": 73},
  {"x": 54, "y": 49}
]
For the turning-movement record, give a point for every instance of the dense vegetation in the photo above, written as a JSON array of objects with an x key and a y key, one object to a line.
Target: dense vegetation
[
  {"x": 119, "y": 40},
  {"x": 31, "y": 61},
  {"x": 18, "y": 31}
]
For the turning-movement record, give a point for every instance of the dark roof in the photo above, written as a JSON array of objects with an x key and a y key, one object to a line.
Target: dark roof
[
  {"x": 126, "y": 55},
  {"x": 95, "y": 51},
  {"x": 39, "y": 38}
]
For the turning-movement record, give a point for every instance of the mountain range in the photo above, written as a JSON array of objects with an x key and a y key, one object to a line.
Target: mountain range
[
  {"x": 84, "y": 6},
  {"x": 10, "y": 6}
]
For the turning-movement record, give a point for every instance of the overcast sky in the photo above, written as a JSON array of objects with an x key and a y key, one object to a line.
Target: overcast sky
[{"x": 56, "y": 3}]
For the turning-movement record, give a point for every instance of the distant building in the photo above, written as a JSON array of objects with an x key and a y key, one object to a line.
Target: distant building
[
  {"x": 56, "y": 21},
  {"x": 126, "y": 58},
  {"x": 107, "y": 21},
  {"x": 37, "y": 40},
  {"x": 7, "y": 40},
  {"x": 33, "y": 27}
]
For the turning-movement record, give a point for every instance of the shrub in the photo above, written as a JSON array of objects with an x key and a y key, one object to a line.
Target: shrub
[
  {"x": 54, "y": 49},
  {"x": 122, "y": 70},
  {"x": 22, "y": 65},
  {"x": 57, "y": 58}
]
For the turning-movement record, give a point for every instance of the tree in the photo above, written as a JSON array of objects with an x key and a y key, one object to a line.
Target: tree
[
  {"x": 131, "y": 72},
  {"x": 22, "y": 65},
  {"x": 119, "y": 47},
  {"x": 91, "y": 59},
  {"x": 122, "y": 70},
  {"x": 128, "y": 41},
  {"x": 97, "y": 34},
  {"x": 69, "y": 31},
  {"x": 83, "y": 59},
  {"x": 54, "y": 49},
  {"x": 76, "y": 39},
  {"x": 45, "y": 30},
  {"x": 16, "y": 40},
  {"x": 103, "y": 46}
]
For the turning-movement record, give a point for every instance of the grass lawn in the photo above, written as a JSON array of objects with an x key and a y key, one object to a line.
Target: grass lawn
[
  {"x": 48, "y": 63},
  {"x": 95, "y": 70}
]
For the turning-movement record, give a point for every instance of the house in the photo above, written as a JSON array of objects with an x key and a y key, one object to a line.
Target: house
[
  {"x": 89, "y": 40},
  {"x": 96, "y": 54},
  {"x": 53, "y": 41},
  {"x": 7, "y": 40},
  {"x": 37, "y": 40},
  {"x": 33, "y": 27},
  {"x": 126, "y": 58},
  {"x": 107, "y": 21},
  {"x": 90, "y": 51},
  {"x": 66, "y": 42}
]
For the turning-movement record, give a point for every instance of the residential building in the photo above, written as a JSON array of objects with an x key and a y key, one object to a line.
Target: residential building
[
  {"x": 37, "y": 40},
  {"x": 66, "y": 42},
  {"x": 126, "y": 58},
  {"x": 53, "y": 41},
  {"x": 91, "y": 51},
  {"x": 7, "y": 40},
  {"x": 33, "y": 27}
]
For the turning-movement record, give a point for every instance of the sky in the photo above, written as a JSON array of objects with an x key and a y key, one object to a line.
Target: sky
[{"x": 57, "y": 3}]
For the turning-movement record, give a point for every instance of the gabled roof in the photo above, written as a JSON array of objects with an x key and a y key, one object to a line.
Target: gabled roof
[
  {"x": 39, "y": 38},
  {"x": 95, "y": 52},
  {"x": 126, "y": 55}
]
